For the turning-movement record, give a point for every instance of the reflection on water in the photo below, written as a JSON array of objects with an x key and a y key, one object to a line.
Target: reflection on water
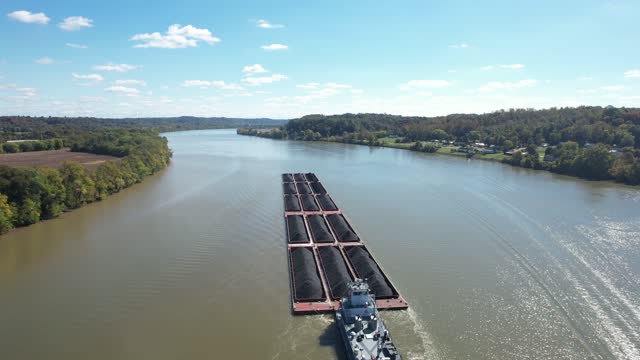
[{"x": 496, "y": 262}]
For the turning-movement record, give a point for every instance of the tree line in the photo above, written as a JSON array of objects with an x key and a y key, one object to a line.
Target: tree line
[
  {"x": 28, "y": 195},
  {"x": 35, "y": 145},
  {"x": 592, "y": 142},
  {"x": 44, "y": 128}
]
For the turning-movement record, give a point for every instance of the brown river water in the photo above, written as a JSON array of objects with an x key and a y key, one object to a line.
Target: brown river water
[{"x": 496, "y": 262}]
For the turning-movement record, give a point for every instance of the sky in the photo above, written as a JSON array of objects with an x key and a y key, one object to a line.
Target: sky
[{"x": 285, "y": 59}]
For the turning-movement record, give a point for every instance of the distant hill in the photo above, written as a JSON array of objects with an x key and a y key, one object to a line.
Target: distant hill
[{"x": 27, "y": 127}]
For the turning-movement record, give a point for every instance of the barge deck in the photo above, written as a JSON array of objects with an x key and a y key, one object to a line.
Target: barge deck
[{"x": 324, "y": 251}]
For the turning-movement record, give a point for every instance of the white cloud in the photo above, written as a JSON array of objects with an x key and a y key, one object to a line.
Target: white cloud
[
  {"x": 176, "y": 37},
  {"x": 311, "y": 85},
  {"x": 29, "y": 17},
  {"x": 201, "y": 83},
  {"x": 503, "y": 66},
  {"x": 584, "y": 78},
  {"x": 264, "y": 79},
  {"x": 131, "y": 82},
  {"x": 115, "y": 67},
  {"x": 332, "y": 85},
  {"x": 74, "y": 23},
  {"x": 497, "y": 85},
  {"x": 216, "y": 83},
  {"x": 27, "y": 92},
  {"x": 267, "y": 25},
  {"x": 76, "y": 46},
  {"x": 356, "y": 91},
  {"x": 231, "y": 86},
  {"x": 274, "y": 47},
  {"x": 44, "y": 61},
  {"x": 612, "y": 88},
  {"x": 93, "y": 77},
  {"x": 460, "y": 46},
  {"x": 123, "y": 90},
  {"x": 632, "y": 74},
  {"x": 411, "y": 84},
  {"x": 452, "y": 71},
  {"x": 254, "y": 69},
  {"x": 512, "y": 66}
]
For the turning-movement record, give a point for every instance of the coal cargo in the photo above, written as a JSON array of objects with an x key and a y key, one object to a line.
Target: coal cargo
[
  {"x": 366, "y": 268},
  {"x": 287, "y": 178},
  {"x": 303, "y": 188},
  {"x": 335, "y": 270},
  {"x": 297, "y": 230},
  {"x": 299, "y": 177},
  {"x": 289, "y": 188},
  {"x": 326, "y": 203},
  {"x": 311, "y": 177},
  {"x": 306, "y": 281},
  {"x": 318, "y": 188},
  {"x": 309, "y": 203},
  {"x": 342, "y": 229},
  {"x": 291, "y": 203},
  {"x": 319, "y": 229}
]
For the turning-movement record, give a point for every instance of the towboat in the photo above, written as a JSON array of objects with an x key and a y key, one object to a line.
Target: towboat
[{"x": 361, "y": 328}]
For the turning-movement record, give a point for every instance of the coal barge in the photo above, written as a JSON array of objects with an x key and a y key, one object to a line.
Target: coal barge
[{"x": 325, "y": 253}]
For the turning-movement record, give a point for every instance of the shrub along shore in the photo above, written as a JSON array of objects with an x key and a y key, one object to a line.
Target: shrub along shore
[{"x": 28, "y": 195}]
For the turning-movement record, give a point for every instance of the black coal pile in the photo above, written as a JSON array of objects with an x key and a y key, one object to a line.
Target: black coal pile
[
  {"x": 326, "y": 203},
  {"x": 287, "y": 178},
  {"x": 303, "y": 188},
  {"x": 309, "y": 203},
  {"x": 297, "y": 230},
  {"x": 311, "y": 177},
  {"x": 318, "y": 188},
  {"x": 299, "y": 177},
  {"x": 289, "y": 188},
  {"x": 341, "y": 228},
  {"x": 291, "y": 203},
  {"x": 335, "y": 270},
  {"x": 305, "y": 275},
  {"x": 366, "y": 268},
  {"x": 319, "y": 229}
]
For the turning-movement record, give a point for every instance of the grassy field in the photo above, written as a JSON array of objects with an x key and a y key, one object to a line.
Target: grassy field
[{"x": 53, "y": 158}]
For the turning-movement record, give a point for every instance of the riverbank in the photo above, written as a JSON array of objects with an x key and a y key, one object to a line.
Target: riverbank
[
  {"x": 591, "y": 162},
  {"x": 37, "y": 187}
]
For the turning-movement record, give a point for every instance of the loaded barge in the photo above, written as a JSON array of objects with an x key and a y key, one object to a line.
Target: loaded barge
[{"x": 325, "y": 253}]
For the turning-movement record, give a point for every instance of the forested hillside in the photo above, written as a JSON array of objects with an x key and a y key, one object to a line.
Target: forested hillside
[
  {"x": 591, "y": 142},
  {"x": 28, "y": 195},
  {"x": 40, "y": 128}
]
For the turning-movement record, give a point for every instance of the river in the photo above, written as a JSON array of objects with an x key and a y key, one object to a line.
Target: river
[{"x": 496, "y": 262}]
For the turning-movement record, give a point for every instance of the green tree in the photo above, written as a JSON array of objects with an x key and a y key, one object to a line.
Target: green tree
[
  {"x": 25, "y": 146},
  {"x": 28, "y": 213},
  {"x": 10, "y": 148},
  {"x": 594, "y": 162},
  {"x": 626, "y": 168},
  {"x": 6, "y": 215},
  {"x": 53, "y": 193},
  {"x": 507, "y": 145},
  {"x": 79, "y": 187}
]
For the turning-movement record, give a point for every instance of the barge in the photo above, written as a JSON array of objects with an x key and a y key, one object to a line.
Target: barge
[{"x": 325, "y": 253}]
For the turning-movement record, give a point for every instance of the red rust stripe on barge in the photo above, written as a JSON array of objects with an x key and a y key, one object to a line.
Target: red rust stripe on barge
[{"x": 292, "y": 183}]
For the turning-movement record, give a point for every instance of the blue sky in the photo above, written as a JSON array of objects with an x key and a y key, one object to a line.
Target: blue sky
[{"x": 284, "y": 59}]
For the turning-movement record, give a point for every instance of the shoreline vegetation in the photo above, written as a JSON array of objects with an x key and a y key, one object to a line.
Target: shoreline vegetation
[
  {"x": 128, "y": 151},
  {"x": 590, "y": 142}
]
